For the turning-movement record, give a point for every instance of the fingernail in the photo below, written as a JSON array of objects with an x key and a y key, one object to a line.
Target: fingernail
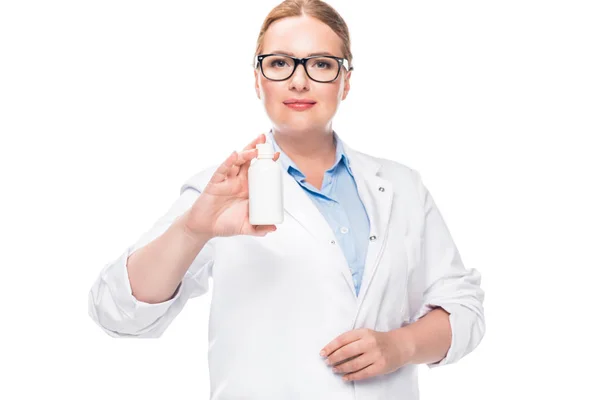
[{"x": 322, "y": 353}]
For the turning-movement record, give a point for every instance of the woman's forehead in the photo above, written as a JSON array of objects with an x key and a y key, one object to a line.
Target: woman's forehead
[{"x": 300, "y": 37}]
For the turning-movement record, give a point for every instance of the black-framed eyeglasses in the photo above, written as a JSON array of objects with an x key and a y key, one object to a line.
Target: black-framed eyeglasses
[{"x": 323, "y": 69}]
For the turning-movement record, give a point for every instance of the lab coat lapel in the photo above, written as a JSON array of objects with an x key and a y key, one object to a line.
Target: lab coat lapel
[
  {"x": 376, "y": 194},
  {"x": 300, "y": 207}
]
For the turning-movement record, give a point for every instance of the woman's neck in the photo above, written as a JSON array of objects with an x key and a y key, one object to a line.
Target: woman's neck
[{"x": 310, "y": 150}]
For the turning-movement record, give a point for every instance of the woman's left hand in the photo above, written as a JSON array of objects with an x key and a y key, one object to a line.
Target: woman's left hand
[{"x": 366, "y": 353}]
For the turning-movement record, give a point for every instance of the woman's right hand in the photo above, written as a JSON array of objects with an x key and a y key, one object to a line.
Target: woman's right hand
[{"x": 222, "y": 207}]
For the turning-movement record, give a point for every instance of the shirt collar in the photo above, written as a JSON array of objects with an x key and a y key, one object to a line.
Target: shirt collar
[{"x": 290, "y": 166}]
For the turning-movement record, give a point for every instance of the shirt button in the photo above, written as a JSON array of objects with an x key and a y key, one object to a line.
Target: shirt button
[
  {"x": 373, "y": 238},
  {"x": 344, "y": 230}
]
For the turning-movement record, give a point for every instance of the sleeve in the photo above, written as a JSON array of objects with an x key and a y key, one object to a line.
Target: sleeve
[
  {"x": 111, "y": 303},
  {"x": 447, "y": 284}
]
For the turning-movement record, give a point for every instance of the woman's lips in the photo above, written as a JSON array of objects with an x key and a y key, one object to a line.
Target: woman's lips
[{"x": 300, "y": 106}]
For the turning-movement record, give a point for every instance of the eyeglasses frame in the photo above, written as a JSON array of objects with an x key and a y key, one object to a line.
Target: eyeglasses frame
[{"x": 342, "y": 62}]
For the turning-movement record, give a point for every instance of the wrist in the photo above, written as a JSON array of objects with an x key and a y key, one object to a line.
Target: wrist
[
  {"x": 406, "y": 345},
  {"x": 192, "y": 233}
]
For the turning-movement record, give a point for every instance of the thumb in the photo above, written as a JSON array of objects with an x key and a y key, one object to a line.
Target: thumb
[{"x": 262, "y": 230}]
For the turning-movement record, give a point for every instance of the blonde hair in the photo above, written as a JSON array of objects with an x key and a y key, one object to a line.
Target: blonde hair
[{"x": 314, "y": 8}]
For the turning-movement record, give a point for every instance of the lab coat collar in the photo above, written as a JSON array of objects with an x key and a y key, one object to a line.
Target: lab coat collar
[
  {"x": 290, "y": 166},
  {"x": 376, "y": 194}
]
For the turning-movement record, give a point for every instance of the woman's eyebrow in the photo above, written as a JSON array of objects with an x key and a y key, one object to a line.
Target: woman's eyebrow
[{"x": 321, "y": 53}]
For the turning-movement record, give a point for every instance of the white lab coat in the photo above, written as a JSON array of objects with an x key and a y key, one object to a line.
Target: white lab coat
[{"x": 278, "y": 300}]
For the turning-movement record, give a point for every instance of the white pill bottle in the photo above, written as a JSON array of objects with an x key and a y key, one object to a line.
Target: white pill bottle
[{"x": 265, "y": 188}]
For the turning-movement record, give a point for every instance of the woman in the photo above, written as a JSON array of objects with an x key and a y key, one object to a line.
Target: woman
[{"x": 360, "y": 284}]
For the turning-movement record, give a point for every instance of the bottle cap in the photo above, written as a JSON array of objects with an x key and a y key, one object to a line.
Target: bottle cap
[{"x": 265, "y": 150}]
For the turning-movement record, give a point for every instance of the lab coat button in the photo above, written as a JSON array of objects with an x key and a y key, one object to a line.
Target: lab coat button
[
  {"x": 373, "y": 238},
  {"x": 381, "y": 189},
  {"x": 344, "y": 229},
  {"x": 332, "y": 242}
]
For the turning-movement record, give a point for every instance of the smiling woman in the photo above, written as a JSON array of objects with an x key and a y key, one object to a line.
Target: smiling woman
[
  {"x": 313, "y": 35},
  {"x": 360, "y": 283}
]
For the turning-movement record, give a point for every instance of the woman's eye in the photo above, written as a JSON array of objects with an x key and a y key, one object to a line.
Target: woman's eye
[
  {"x": 320, "y": 64},
  {"x": 278, "y": 63}
]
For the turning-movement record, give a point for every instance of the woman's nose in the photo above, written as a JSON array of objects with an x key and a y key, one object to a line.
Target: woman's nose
[{"x": 299, "y": 80}]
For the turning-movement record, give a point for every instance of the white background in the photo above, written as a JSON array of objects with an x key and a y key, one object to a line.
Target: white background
[{"x": 106, "y": 108}]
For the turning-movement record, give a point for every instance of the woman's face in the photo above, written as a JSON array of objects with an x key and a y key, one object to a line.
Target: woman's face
[{"x": 299, "y": 37}]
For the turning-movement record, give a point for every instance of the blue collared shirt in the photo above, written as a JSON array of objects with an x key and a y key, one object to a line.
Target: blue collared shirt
[{"x": 340, "y": 204}]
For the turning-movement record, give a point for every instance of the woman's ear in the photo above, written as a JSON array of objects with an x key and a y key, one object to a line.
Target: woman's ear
[
  {"x": 346, "y": 84},
  {"x": 256, "y": 87}
]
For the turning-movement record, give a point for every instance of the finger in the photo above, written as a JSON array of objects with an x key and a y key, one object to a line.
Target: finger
[
  {"x": 276, "y": 157},
  {"x": 246, "y": 155},
  {"x": 347, "y": 352},
  {"x": 342, "y": 340},
  {"x": 367, "y": 372},
  {"x": 356, "y": 364},
  {"x": 259, "y": 139},
  {"x": 262, "y": 230},
  {"x": 244, "y": 168},
  {"x": 221, "y": 172},
  {"x": 243, "y": 158}
]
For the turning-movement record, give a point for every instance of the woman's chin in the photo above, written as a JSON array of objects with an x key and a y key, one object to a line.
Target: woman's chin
[
  {"x": 300, "y": 123},
  {"x": 291, "y": 126}
]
